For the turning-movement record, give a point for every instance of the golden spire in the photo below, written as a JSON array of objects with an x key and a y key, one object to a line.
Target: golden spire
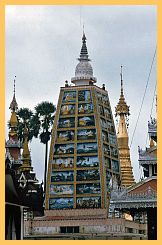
[
  {"x": 13, "y": 119},
  {"x": 13, "y": 105},
  {"x": 122, "y": 110},
  {"x": 26, "y": 166},
  {"x": 122, "y": 107}
]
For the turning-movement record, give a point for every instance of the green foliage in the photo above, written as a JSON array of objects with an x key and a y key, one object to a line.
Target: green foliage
[
  {"x": 44, "y": 113},
  {"x": 39, "y": 123},
  {"x": 24, "y": 116}
]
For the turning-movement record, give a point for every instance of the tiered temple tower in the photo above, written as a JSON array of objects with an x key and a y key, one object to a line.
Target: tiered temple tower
[
  {"x": 21, "y": 186},
  {"x": 83, "y": 158},
  {"x": 148, "y": 157},
  {"x": 122, "y": 110},
  {"x": 13, "y": 144}
]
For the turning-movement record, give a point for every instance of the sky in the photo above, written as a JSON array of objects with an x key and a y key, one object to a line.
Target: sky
[{"x": 44, "y": 42}]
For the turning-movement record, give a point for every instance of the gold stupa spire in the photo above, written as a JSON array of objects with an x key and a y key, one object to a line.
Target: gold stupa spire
[
  {"x": 26, "y": 166},
  {"x": 13, "y": 119},
  {"x": 122, "y": 110}
]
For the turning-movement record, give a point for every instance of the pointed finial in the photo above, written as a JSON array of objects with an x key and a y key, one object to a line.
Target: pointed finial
[
  {"x": 122, "y": 107},
  {"x": 14, "y": 105},
  {"x": 121, "y": 75},
  {"x": 14, "y": 84},
  {"x": 26, "y": 158},
  {"x": 84, "y": 51}
]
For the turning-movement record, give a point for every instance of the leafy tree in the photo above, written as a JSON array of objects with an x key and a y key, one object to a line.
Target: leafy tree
[
  {"x": 44, "y": 116},
  {"x": 39, "y": 124},
  {"x": 25, "y": 116}
]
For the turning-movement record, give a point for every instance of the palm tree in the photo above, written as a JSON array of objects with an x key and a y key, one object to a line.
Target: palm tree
[
  {"x": 25, "y": 116},
  {"x": 44, "y": 116}
]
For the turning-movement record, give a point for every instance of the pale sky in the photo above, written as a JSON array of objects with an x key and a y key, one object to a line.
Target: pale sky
[{"x": 44, "y": 42}]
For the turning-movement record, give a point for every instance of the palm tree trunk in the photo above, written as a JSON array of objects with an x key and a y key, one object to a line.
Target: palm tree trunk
[{"x": 45, "y": 168}]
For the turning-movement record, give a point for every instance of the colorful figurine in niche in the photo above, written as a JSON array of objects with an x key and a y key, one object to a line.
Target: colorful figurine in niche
[{"x": 69, "y": 96}]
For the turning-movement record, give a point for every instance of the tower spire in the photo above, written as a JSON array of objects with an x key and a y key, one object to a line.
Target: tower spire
[
  {"x": 84, "y": 51},
  {"x": 122, "y": 107},
  {"x": 122, "y": 110},
  {"x": 121, "y": 75},
  {"x": 83, "y": 70},
  {"x": 14, "y": 105},
  {"x": 13, "y": 119},
  {"x": 26, "y": 166}
]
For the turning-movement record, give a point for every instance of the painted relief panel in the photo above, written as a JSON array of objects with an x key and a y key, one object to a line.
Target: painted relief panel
[
  {"x": 69, "y": 96},
  {"x": 61, "y": 203},
  {"x": 67, "y": 162},
  {"x": 61, "y": 189},
  {"x": 104, "y": 136},
  {"x": 65, "y": 136},
  {"x": 66, "y": 122},
  {"x": 67, "y": 110},
  {"x": 112, "y": 139},
  {"x": 84, "y": 95},
  {"x": 103, "y": 123},
  {"x": 115, "y": 166},
  {"x": 88, "y": 175},
  {"x": 62, "y": 176},
  {"x": 107, "y": 162},
  {"x": 109, "y": 180},
  {"x": 87, "y": 161},
  {"x": 110, "y": 127},
  {"x": 86, "y": 134},
  {"x": 64, "y": 149},
  {"x": 114, "y": 152},
  {"x": 85, "y": 108},
  {"x": 87, "y": 148},
  {"x": 88, "y": 202},
  {"x": 105, "y": 100},
  {"x": 88, "y": 188},
  {"x": 106, "y": 149},
  {"x": 107, "y": 113},
  {"x": 86, "y": 121},
  {"x": 99, "y": 97},
  {"x": 101, "y": 110}
]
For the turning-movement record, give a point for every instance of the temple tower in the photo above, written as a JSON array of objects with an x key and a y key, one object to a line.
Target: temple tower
[
  {"x": 13, "y": 144},
  {"x": 83, "y": 159},
  {"x": 148, "y": 156},
  {"x": 122, "y": 110}
]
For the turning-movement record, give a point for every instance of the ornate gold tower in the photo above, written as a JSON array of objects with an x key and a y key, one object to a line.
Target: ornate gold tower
[
  {"x": 26, "y": 159},
  {"x": 122, "y": 110},
  {"x": 13, "y": 144}
]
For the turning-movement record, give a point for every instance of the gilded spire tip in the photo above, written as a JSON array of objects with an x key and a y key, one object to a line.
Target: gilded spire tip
[
  {"x": 14, "y": 105},
  {"x": 122, "y": 107},
  {"x": 121, "y": 75},
  {"x": 14, "y": 84}
]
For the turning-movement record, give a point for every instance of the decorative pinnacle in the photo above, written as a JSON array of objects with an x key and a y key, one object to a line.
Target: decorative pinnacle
[
  {"x": 84, "y": 52},
  {"x": 121, "y": 75},
  {"x": 26, "y": 166},
  {"x": 14, "y": 85},
  {"x": 14, "y": 105},
  {"x": 122, "y": 107}
]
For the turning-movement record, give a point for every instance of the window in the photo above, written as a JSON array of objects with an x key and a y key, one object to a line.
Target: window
[{"x": 69, "y": 229}]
